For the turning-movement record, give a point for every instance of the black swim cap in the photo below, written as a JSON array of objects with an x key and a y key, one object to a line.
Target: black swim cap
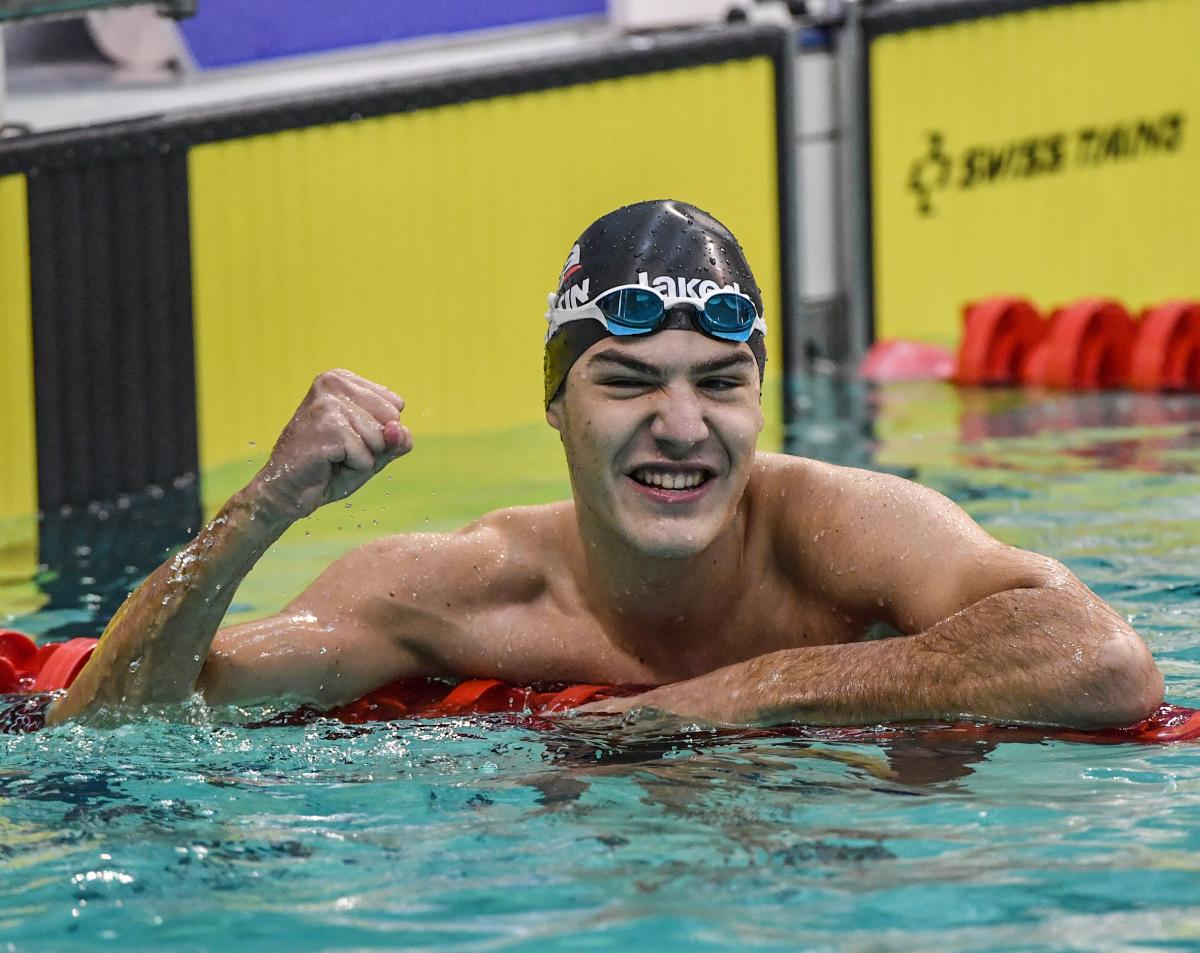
[{"x": 670, "y": 245}]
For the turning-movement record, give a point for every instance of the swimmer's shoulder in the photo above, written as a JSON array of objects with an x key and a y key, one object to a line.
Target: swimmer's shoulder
[
  {"x": 806, "y": 492},
  {"x": 781, "y": 480},
  {"x": 504, "y": 557},
  {"x": 522, "y": 532},
  {"x": 783, "y": 471}
]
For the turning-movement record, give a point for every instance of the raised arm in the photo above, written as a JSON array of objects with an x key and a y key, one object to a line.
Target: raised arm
[
  {"x": 988, "y": 632},
  {"x": 154, "y": 649}
]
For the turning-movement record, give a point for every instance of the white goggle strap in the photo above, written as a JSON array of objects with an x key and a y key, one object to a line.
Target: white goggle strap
[{"x": 556, "y": 317}]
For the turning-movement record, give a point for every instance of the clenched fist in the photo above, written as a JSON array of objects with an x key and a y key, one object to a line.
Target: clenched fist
[{"x": 345, "y": 431}]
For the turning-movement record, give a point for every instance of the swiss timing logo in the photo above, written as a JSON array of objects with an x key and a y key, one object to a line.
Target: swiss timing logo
[
  {"x": 930, "y": 173},
  {"x": 938, "y": 170}
]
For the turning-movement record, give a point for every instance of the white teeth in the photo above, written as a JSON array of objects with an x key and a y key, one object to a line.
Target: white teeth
[{"x": 669, "y": 480}]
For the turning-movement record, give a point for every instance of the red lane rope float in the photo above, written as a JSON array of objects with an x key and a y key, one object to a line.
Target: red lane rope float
[
  {"x": 18, "y": 660},
  {"x": 1087, "y": 347},
  {"x": 60, "y": 666},
  {"x": 26, "y": 668},
  {"x": 429, "y": 698},
  {"x": 999, "y": 336},
  {"x": 1166, "y": 354}
]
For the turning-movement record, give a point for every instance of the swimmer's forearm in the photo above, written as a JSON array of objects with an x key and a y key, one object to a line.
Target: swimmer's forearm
[
  {"x": 1048, "y": 656},
  {"x": 1041, "y": 656},
  {"x": 155, "y": 646}
]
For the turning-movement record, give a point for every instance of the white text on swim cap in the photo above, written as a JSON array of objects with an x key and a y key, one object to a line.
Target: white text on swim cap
[
  {"x": 576, "y": 295},
  {"x": 684, "y": 287}
]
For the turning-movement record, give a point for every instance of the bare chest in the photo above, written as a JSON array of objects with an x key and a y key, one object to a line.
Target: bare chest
[{"x": 545, "y": 642}]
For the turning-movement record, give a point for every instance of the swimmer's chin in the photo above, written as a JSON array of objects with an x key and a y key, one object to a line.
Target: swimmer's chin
[{"x": 668, "y": 548}]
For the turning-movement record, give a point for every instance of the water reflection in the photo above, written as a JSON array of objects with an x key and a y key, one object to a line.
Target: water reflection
[
  {"x": 91, "y": 557},
  {"x": 679, "y": 768},
  {"x": 904, "y": 426},
  {"x": 832, "y": 419}
]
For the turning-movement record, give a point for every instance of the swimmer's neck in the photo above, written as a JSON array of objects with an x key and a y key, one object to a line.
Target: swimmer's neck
[{"x": 640, "y": 598}]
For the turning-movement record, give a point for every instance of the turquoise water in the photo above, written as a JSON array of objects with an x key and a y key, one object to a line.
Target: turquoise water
[{"x": 198, "y": 835}]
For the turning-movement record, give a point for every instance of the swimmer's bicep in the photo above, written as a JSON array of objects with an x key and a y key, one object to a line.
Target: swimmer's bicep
[
  {"x": 960, "y": 578},
  {"x": 947, "y": 562},
  {"x": 285, "y": 658},
  {"x": 339, "y": 639}
]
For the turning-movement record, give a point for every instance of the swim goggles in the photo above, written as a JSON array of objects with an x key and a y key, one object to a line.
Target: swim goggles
[{"x": 639, "y": 309}]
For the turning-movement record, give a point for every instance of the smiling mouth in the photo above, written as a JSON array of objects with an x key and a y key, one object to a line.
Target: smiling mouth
[{"x": 677, "y": 480}]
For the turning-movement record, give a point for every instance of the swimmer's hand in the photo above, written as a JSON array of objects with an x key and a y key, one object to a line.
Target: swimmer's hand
[
  {"x": 693, "y": 700},
  {"x": 345, "y": 431}
]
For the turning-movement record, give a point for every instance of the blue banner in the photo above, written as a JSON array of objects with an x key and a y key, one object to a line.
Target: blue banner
[{"x": 233, "y": 32}]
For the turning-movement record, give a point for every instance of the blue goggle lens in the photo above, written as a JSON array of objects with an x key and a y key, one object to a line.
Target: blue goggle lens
[
  {"x": 729, "y": 313},
  {"x": 633, "y": 308}
]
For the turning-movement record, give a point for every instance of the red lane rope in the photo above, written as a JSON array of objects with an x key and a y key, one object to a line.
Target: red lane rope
[{"x": 26, "y": 668}]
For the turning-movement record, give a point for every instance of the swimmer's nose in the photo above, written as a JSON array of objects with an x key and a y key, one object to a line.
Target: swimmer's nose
[{"x": 679, "y": 422}]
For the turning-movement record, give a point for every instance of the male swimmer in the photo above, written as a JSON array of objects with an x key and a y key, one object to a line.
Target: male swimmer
[{"x": 741, "y": 583}]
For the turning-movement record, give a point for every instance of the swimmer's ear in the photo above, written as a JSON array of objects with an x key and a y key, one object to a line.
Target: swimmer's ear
[{"x": 554, "y": 413}]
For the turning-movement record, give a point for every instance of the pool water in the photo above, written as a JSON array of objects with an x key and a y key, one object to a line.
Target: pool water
[{"x": 457, "y": 834}]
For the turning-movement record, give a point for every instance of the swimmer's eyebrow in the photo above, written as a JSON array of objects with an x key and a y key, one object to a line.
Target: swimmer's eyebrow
[
  {"x": 737, "y": 359},
  {"x": 628, "y": 363}
]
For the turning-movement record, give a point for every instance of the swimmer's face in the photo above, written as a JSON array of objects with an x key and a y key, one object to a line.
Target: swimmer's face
[{"x": 659, "y": 433}]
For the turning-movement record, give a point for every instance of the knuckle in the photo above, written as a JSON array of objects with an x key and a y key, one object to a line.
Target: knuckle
[
  {"x": 334, "y": 379},
  {"x": 327, "y": 404}
]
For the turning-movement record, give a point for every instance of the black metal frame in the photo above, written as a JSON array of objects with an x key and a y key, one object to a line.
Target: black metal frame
[{"x": 113, "y": 351}]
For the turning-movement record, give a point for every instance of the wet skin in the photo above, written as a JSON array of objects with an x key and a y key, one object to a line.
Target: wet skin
[{"x": 742, "y": 583}]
